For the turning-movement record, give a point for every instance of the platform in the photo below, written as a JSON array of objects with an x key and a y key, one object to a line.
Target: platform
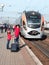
[{"x": 22, "y": 57}]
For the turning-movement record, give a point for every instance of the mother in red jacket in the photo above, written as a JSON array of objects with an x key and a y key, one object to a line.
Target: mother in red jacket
[{"x": 17, "y": 32}]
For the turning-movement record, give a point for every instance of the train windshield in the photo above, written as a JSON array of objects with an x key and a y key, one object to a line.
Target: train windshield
[{"x": 34, "y": 21}]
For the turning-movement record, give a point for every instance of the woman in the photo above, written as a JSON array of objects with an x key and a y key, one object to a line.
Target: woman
[{"x": 17, "y": 32}]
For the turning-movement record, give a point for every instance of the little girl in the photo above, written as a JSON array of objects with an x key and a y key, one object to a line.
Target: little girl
[{"x": 8, "y": 38}]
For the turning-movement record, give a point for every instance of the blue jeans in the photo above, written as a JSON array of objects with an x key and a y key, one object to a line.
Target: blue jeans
[
  {"x": 8, "y": 41},
  {"x": 16, "y": 39}
]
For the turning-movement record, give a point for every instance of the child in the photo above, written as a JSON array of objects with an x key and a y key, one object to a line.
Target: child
[{"x": 8, "y": 38}]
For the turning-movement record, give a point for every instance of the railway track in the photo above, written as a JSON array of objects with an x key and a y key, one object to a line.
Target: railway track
[
  {"x": 40, "y": 49},
  {"x": 43, "y": 47}
]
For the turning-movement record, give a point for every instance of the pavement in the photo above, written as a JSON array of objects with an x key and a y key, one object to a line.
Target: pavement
[{"x": 22, "y": 57}]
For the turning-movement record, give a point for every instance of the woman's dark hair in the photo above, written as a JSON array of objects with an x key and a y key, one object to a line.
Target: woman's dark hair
[{"x": 17, "y": 25}]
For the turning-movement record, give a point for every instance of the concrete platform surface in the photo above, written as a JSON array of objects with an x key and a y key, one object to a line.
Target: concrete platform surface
[{"x": 7, "y": 57}]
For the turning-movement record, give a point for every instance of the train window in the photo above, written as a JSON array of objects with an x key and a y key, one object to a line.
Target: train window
[
  {"x": 42, "y": 23},
  {"x": 33, "y": 20},
  {"x": 34, "y": 16},
  {"x": 24, "y": 25}
]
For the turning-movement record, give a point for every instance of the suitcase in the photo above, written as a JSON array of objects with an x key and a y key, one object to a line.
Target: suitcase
[{"x": 14, "y": 47}]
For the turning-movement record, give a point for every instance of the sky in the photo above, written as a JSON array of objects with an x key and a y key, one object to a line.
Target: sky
[{"x": 12, "y": 7}]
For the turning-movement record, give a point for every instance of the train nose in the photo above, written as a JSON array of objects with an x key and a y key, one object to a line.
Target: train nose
[{"x": 33, "y": 32}]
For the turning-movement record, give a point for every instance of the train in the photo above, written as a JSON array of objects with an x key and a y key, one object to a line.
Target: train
[{"x": 32, "y": 24}]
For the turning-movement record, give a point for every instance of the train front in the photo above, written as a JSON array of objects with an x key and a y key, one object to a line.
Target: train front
[{"x": 33, "y": 25}]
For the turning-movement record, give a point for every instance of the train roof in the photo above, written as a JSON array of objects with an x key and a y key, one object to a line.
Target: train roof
[{"x": 32, "y": 13}]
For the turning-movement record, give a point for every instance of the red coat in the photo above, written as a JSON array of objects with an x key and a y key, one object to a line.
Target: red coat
[
  {"x": 9, "y": 36},
  {"x": 16, "y": 32}
]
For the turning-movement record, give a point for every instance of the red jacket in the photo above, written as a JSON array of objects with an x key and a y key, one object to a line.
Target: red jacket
[
  {"x": 9, "y": 36},
  {"x": 16, "y": 32}
]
